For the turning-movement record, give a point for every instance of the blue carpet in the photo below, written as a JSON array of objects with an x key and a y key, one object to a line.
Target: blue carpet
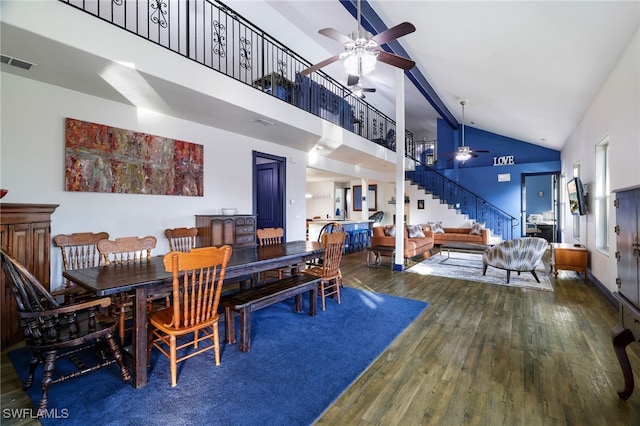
[{"x": 298, "y": 365}]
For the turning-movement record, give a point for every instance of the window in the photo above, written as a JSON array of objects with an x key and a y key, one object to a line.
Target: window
[{"x": 601, "y": 195}]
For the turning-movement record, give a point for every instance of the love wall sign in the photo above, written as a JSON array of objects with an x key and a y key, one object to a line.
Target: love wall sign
[{"x": 505, "y": 160}]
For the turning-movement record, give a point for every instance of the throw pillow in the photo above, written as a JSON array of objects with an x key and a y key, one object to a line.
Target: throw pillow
[
  {"x": 390, "y": 231},
  {"x": 437, "y": 228},
  {"x": 415, "y": 231},
  {"x": 477, "y": 228}
]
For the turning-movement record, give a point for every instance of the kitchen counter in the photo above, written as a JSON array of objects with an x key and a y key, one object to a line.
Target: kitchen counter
[{"x": 315, "y": 226}]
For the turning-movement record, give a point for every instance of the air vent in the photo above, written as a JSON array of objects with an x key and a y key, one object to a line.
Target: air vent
[{"x": 16, "y": 62}]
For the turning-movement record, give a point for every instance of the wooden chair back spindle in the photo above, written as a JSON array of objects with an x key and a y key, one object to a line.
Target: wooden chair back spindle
[
  {"x": 126, "y": 250},
  {"x": 181, "y": 239},
  {"x": 199, "y": 289},
  {"x": 270, "y": 236}
]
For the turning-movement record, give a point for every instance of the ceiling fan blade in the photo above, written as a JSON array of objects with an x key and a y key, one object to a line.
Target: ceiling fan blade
[
  {"x": 335, "y": 35},
  {"x": 480, "y": 150},
  {"x": 368, "y": 89},
  {"x": 352, "y": 80},
  {"x": 395, "y": 60},
  {"x": 319, "y": 65},
  {"x": 393, "y": 33}
]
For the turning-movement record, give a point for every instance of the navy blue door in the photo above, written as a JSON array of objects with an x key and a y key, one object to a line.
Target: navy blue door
[{"x": 269, "y": 194}]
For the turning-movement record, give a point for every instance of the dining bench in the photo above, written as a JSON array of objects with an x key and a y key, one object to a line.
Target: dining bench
[{"x": 250, "y": 300}]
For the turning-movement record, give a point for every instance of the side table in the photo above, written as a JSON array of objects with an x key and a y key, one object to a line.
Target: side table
[
  {"x": 570, "y": 257},
  {"x": 379, "y": 251}
]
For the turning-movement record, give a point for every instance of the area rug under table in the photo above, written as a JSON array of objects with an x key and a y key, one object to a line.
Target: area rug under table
[
  {"x": 298, "y": 365},
  {"x": 468, "y": 266}
]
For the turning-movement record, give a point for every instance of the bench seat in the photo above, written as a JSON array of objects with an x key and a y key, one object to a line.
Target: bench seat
[{"x": 250, "y": 300}]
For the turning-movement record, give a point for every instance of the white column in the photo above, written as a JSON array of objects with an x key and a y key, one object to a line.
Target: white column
[
  {"x": 365, "y": 199},
  {"x": 400, "y": 148}
]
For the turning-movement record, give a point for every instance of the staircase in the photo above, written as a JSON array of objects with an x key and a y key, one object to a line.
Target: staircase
[{"x": 463, "y": 201}]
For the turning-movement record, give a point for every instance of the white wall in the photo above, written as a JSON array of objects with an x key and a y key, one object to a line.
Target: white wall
[
  {"x": 615, "y": 113},
  {"x": 32, "y": 167}
]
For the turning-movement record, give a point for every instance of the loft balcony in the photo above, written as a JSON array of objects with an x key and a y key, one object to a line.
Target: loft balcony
[{"x": 211, "y": 34}]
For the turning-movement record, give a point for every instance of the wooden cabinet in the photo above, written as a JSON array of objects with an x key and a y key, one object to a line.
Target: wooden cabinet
[
  {"x": 569, "y": 257},
  {"x": 236, "y": 230},
  {"x": 627, "y": 230},
  {"x": 25, "y": 233}
]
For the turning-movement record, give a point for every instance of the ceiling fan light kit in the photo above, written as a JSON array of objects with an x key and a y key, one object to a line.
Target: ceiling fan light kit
[{"x": 362, "y": 49}]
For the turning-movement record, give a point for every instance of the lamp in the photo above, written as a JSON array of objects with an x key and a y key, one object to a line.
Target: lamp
[
  {"x": 464, "y": 153},
  {"x": 359, "y": 55}
]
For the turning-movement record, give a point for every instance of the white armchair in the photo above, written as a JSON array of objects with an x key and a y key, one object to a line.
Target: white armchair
[{"x": 520, "y": 255}]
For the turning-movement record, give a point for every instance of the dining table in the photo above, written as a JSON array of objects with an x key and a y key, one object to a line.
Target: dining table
[{"x": 143, "y": 278}]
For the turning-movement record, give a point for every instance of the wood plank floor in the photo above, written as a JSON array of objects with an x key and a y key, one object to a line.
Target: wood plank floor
[{"x": 480, "y": 354}]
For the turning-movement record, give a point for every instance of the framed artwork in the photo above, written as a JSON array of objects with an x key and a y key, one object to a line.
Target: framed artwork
[
  {"x": 420, "y": 204},
  {"x": 100, "y": 158},
  {"x": 372, "y": 196}
]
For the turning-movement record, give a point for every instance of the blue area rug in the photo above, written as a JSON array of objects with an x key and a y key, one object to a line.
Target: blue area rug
[{"x": 298, "y": 365}]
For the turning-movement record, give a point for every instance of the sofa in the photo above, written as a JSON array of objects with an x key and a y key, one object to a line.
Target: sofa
[
  {"x": 476, "y": 234},
  {"x": 417, "y": 243}
]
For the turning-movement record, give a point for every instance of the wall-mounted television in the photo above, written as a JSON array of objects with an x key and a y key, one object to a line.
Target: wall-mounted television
[{"x": 577, "y": 201}]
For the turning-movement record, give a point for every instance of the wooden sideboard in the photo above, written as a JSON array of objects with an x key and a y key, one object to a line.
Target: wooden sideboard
[
  {"x": 217, "y": 230},
  {"x": 627, "y": 229},
  {"x": 569, "y": 257},
  {"x": 25, "y": 233}
]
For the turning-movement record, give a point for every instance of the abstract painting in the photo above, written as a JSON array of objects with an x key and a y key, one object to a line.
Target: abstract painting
[{"x": 101, "y": 158}]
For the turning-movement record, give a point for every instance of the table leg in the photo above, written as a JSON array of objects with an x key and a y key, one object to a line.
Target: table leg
[
  {"x": 139, "y": 339},
  {"x": 313, "y": 300},
  {"x": 622, "y": 337},
  {"x": 298, "y": 302},
  {"x": 229, "y": 325},
  {"x": 245, "y": 330}
]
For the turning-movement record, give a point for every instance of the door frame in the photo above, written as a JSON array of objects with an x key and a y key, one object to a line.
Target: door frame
[
  {"x": 282, "y": 186},
  {"x": 555, "y": 203}
]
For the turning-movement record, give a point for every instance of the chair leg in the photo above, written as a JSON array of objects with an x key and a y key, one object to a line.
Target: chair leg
[
  {"x": 508, "y": 276},
  {"x": 173, "y": 361},
  {"x": 484, "y": 269},
  {"x": 533, "y": 272},
  {"x": 216, "y": 343},
  {"x": 47, "y": 378},
  {"x": 322, "y": 296},
  {"x": 113, "y": 347},
  {"x": 338, "y": 284},
  {"x": 33, "y": 364},
  {"x": 122, "y": 318}
]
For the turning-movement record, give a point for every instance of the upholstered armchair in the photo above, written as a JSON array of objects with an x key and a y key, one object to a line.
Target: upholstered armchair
[{"x": 520, "y": 255}]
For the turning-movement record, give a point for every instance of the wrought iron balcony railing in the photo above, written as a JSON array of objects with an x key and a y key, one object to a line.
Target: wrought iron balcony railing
[{"x": 215, "y": 36}]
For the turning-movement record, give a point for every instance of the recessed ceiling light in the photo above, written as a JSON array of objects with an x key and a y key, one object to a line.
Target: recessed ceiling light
[{"x": 263, "y": 121}]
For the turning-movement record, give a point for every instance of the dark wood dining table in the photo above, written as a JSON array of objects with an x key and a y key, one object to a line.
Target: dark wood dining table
[{"x": 149, "y": 277}]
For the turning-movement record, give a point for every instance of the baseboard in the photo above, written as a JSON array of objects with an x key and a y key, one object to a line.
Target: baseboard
[{"x": 603, "y": 290}]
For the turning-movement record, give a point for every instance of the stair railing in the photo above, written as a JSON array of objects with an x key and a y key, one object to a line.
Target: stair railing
[{"x": 464, "y": 201}]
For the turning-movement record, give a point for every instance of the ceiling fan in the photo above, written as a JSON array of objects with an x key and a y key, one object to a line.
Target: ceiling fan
[
  {"x": 362, "y": 49},
  {"x": 464, "y": 152},
  {"x": 356, "y": 89}
]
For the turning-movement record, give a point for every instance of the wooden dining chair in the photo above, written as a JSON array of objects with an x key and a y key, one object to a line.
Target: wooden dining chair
[
  {"x": 271, "y": 236},
  {"x": 328, "y": 228},
  {"x": 55, "y": 330},
  {"x": 181, "y": 239},
  {"x": 329, "y": 271},
  {"x": 78, "y": 250},
  {"x": 128, "y": 250},
  {"x": 197, "y": 284}
]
